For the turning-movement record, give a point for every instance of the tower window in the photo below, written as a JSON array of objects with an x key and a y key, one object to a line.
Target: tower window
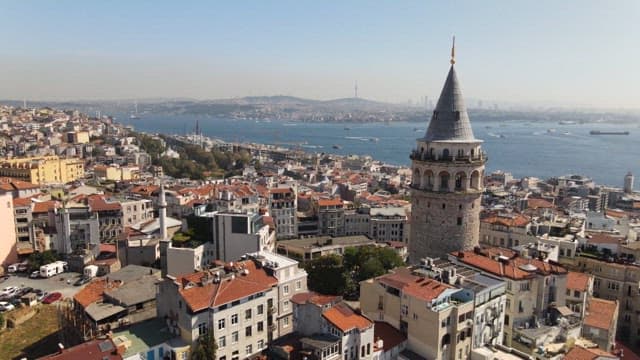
[
  {"x": 460, "y": 206},
  {"x": 459, "y": 220},
  {"x": 444, "y": 205}
]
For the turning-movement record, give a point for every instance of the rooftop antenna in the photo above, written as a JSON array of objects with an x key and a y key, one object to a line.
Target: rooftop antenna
[
  {"x": 356, "y": 89},
  {"x": 453, "y": 51}
]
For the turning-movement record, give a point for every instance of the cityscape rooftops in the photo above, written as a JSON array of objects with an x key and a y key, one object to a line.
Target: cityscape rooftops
[
  {"x": 416, "y": 286},
  {"x": 578, "y": 281}
]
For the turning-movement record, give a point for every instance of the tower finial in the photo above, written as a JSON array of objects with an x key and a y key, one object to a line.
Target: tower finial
[{"x": 453, "y": 51}]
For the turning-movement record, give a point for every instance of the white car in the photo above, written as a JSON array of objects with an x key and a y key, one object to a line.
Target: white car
[
  {"x": 5, "y": 306},
  {"x": 35, "y": 274},
  {"x": 9, "y": 291}
]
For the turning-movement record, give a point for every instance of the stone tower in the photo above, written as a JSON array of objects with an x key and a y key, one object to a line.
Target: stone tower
[{"x": 448, "y": 168}]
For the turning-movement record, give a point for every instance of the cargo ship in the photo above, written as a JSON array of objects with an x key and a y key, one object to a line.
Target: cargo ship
[{"x": 598, "y": 132}]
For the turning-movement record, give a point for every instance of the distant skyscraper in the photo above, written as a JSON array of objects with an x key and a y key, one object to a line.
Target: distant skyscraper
[
  {"x": 628, "y": 183},
  {"x": 448, "y": 166}
]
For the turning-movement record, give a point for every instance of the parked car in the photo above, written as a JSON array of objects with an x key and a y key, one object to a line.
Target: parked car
[
  {"x": 83, "y": 280},
  {"x": 40, "y": 294},
  {"x": 5, "y": 306},
  {"x": 35, "y": 274},
  {"x": 51, "y": 298},
  {"x": 9, "y": 291},
  {"x": 24, "y": 291}
]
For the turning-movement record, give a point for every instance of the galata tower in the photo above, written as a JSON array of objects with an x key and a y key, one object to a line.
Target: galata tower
[{"x": 448, "y": 168}]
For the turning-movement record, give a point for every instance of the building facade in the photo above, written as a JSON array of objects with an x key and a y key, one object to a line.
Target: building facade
[
  {"x": 448, "y": 167},
  {"x": 43, "y": 170}
]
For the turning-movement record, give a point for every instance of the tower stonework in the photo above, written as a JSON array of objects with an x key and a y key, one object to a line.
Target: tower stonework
[{"x": 448, "y": 168}]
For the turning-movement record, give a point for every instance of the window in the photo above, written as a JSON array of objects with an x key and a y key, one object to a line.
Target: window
[
  {"x": 222, "y": 342},
  {"x": 459, "y": 221},
  {"x": 298, "y": 285},
  {"x": 285, "y": 322},
  {"x": 260, "y": 309},
  {"x": 202, "y": 328},
  {"x": 247, "y": 314},
  {"x": 248, "y": 350},
  {"x": 260, "y": 344},
  {"x": 247, "y": 331},
  {"x": 260, "y": 326},
  {"x": 221, "y": 324},
  {"x": 234, "y": 319},
  {"x": 285, "y": 305},
  {"x": 285, "y": 289},
  {"x": 234, "y": 337}
]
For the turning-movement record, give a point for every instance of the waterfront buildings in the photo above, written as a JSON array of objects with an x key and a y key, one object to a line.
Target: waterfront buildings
[{"x": 448, "y": 168}]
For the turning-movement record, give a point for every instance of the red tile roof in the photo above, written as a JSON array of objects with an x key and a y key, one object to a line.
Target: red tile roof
[
  {"x": 45, "y": 206},
  {"x": 9, "y": 184},
  {"x": 600, "y": 238},
  {"x": 21, "y": 202},
  {"x": 539, "y": 203},
  {"x": 487, "y": 260},
  {"x": 580, "y": 353},
  {"x": 311, "y": 297},
  {"x": 330, "y": 202},
  {"x": 416, "y": 286},
  {"x": 600, "y": 313},
  {"x": 99, "y": 349},
  {"x": 281, "y": 191},
  {"x": 345, "y": 319},
  {"x": 390, "y": 336},
  {"x": 578, "y": 281},
  {"x": 145, "y": 190},
  {"x": 94, "y": 291},
  {"x": 511, "y": 220},
  {"x": 229, "y": 289}
]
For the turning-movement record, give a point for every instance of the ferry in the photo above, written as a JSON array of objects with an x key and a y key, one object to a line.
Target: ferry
[
  {"x": 598, "y": 132},
  {"x": 337, "y": 147}
]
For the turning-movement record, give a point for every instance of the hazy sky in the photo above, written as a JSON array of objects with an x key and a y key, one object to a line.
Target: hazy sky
[{"x": 559, "y": 52}]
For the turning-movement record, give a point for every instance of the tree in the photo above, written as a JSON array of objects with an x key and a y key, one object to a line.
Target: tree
[
  {"x": 41, "y": 258},
  {"x": 326, "y": 275},
  {"x": 205, "y": 347}
]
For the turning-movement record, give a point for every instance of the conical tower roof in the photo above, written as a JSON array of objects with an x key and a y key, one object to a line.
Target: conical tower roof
[{"x": 450, "y": 121}]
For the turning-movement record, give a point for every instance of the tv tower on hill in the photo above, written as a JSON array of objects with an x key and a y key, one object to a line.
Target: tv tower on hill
[{"x": 355, "y": 88}]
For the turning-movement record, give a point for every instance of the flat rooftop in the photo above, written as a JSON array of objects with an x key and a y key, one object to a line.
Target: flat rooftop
[
  {"x": 141, "y": 337},
  {"x": 322, "y": 241}
]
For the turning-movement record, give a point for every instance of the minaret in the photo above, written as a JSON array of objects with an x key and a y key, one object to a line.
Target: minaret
[
  {"x": 448, "y": 167},
  {"x": 162, "y": 213}
]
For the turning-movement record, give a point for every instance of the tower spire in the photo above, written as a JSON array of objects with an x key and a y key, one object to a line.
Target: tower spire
[{"x": 453, "y": 51}]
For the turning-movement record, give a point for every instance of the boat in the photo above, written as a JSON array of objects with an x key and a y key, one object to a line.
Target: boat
[
  {"x": 566, "y": 122},
  {"x": 373, "y": 139},
  {"x": 551, "y": 131},
  {"x": 337, "y": 147},
  {"x": 346, "y": 128},
  {"x": 598, "y": 132}
]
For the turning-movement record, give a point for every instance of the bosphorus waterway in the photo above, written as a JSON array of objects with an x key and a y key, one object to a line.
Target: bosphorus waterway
[{"x": 541, "y": 149}]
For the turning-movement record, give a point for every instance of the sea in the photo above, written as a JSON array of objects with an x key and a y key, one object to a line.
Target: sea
[{"x": 524, "y": 148}]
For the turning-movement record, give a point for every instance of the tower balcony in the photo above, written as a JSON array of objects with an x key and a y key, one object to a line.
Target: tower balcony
[{"x": 426, "y": 157}]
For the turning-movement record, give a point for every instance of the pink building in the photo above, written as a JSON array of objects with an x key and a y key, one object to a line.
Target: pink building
[{"x": 8, "y": 254}]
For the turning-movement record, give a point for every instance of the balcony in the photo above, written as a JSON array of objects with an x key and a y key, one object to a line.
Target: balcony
[{"x": 477, "y": 159}]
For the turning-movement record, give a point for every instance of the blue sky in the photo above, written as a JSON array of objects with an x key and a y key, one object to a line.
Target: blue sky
[{"x": 582, "y": 53}]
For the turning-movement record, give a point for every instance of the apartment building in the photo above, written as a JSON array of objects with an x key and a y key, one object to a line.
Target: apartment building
[
  {"x": 579, "y": 290},
  {"x": 600, "y": 322},
  {"x": 613, "y": 281},
  {"x": 43, "y": 170},
  {"x": 282, "y": 207},
  {"x": 8, "y": 254},
  {"x": 292, "y": 280},
  {"x": 330, "y": 217},
  {"x": 136, "y": 211},
  {"x": 237, "y": 302},
  {"x": 332, "y": 330},
  {"x": 436, "y": 317},
  {"x": 532, "y": 285}
]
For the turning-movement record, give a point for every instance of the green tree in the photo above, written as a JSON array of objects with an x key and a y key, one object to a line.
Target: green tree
[
  {"x": 41, "y": 258},
  {"x": 205, "y": 347},
  {"x": 326, "y": 275}
]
